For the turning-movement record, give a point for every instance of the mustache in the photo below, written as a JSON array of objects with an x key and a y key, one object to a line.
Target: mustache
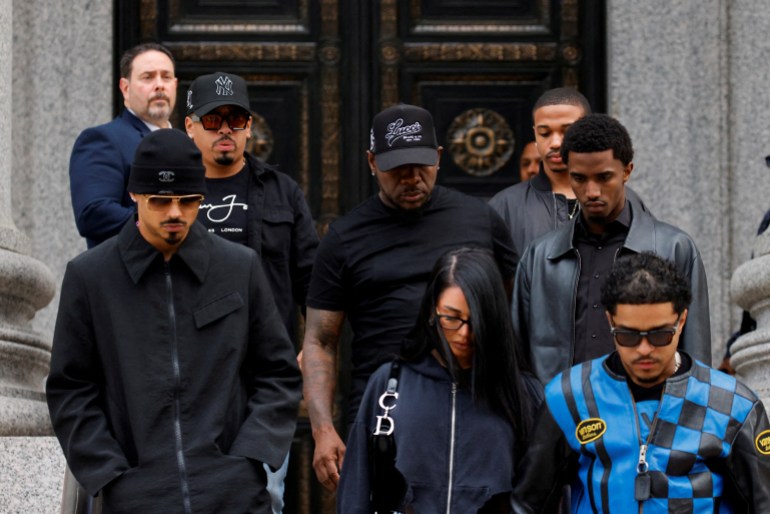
[
  {"x": 160, "y": 96},
  {"x": 223, "y": 138},
  {"x": 174, "y": 221}
]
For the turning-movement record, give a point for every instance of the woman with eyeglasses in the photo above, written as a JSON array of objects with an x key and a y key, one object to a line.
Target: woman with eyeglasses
[{"x": 464, "y": 406}]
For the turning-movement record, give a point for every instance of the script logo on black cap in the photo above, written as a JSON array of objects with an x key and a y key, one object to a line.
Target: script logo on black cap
[
  {"x": 410, "y": 133},
  {"x": 165, "y": 176}
]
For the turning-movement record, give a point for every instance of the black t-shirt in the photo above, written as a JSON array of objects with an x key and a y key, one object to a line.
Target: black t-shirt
[
  {"x": 224, "y": 210},
  {"x": 374, "y": 264}
]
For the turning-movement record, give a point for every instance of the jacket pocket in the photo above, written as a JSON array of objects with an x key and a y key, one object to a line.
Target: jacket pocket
[
  {"x": 217, "y": 309},
  {"x": 277, "y": 225}
]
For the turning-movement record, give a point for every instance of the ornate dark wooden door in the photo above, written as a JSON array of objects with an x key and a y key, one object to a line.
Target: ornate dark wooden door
[{"x": 318, "y": 70}]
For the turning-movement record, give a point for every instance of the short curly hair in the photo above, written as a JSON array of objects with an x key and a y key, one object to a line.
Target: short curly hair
[
  {"x": 645, "y": 278},
  {"x": 598, "y": 133},
  {"x": 563, "y": 96}
]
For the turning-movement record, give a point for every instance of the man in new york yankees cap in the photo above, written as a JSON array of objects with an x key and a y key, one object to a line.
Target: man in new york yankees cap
[
  {"x": 373, "y": 265},
  {"x": 252, "y": 203},
  {"x": 173, "y": 380}
]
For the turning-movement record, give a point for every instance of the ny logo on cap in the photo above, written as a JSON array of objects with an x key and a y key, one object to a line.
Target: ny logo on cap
[
  {"x": 189, "y": 100},
  {"x": 166, "y": 176},
  {"x": 224, "y": 86}
]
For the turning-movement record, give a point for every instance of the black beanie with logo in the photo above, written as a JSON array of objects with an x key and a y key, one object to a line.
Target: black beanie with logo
[{"x": 167, "y": 162}]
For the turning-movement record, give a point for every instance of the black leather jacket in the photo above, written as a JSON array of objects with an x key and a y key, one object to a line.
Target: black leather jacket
[
  {"x": 531, "y": 208},
  {"x": 545, "y": 290}
]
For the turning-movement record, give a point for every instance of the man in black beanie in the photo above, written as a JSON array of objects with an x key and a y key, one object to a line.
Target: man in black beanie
[{"x": 172, "y": 377}]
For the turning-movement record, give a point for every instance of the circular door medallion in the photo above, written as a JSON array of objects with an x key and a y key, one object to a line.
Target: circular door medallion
[{"x": 480, "y": 141}]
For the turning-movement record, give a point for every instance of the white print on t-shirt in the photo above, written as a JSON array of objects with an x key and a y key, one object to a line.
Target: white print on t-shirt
[{"x": 229, "y": 206}]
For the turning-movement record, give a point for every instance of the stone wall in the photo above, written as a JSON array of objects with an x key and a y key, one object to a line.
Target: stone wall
[
  {"x": 62, "y": 83},
  {"x": 55, "y": 60},
  {"x": 685, "y": 78}
]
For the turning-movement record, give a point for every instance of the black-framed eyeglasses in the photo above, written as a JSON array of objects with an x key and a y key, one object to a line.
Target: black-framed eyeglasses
[
  {"x": 163, "y": 202},
  {"x": 629, "y": 338},
  {"x": 236, "y": 120},
  {"x": 452, "y": 322}
]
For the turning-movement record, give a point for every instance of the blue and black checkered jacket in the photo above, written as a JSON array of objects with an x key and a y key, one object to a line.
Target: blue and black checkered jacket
[{"x": 709, "y": 451}]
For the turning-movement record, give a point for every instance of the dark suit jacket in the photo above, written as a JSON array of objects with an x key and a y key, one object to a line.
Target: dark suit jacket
[{"x": 99, "y": 167}]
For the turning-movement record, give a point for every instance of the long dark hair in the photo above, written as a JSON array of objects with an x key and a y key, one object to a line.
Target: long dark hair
[{"x": 496, "y": 373}]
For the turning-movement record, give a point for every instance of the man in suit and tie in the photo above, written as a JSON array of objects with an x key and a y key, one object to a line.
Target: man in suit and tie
[{"x": 101, "y": 158}]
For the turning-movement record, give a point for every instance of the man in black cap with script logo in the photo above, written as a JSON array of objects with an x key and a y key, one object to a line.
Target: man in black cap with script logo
[
  {"x": 373, "y": 265},
  {"x": 172, "y": 377}
]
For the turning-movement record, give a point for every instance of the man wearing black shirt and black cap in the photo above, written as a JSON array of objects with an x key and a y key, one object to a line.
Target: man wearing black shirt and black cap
[{"x": 373, "y": 265}]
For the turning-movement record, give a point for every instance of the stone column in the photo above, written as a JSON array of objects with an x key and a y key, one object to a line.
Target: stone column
[
  {"x": 26, "y": 285},
  {"x": 750, "y": 288}
]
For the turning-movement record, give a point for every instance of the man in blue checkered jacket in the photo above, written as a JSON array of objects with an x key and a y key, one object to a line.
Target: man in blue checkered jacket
[{"x": 647, "y": 428}]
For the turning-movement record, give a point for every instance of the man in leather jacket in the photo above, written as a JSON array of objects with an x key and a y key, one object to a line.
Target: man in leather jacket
[
  {"x": 647, "y": 428},
  {"x": 546, "y": 201},
  {"x": 557, "y": 313}
]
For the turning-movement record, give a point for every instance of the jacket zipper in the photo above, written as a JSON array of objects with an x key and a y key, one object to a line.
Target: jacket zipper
[
  {"x": 643, "y": 445},
  {"x": 452, "y": 449},
  {"x": 180, "y": 460},
  {"x": 574, "y": 308}
]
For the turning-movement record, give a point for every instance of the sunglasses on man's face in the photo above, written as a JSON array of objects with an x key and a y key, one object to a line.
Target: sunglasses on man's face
[
  {"x": 213, "y": 121},
  {"x": 163, "y": 202},
  {"x": 629, "y": 338}
]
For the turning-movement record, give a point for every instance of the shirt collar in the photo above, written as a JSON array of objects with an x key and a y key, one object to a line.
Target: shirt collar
[
  {"x": 138, "y": 254},
  {"x": 149, "y": 125},
  {"x": 541, "y": 180},
  {"x": 620, "y": 224}
]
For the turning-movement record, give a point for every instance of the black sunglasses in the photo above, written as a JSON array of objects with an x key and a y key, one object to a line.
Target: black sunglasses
[
  {"x": 659, "y": 337},
  {"x": 213, "y": 121}
]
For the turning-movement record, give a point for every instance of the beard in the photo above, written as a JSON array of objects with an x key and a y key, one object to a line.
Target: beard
[
  {"x": 225, "y": 159},
  {"x": 159, "y": 112},
  {"x": 173, "y": 239}
]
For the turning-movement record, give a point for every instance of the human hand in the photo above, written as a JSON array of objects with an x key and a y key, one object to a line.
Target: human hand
[{"x": 328, "y": 456}]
